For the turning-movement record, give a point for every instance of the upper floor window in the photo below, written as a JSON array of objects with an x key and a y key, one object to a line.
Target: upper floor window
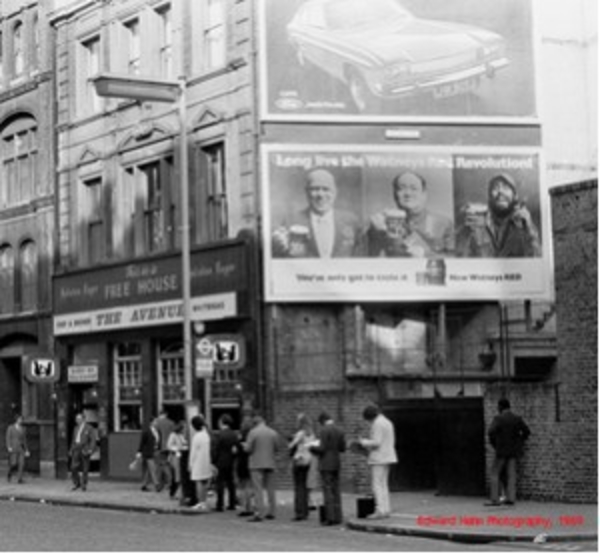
[
  {"x": 133, "y": 46},
  {"x": 213, "y": 191},
  {"x": 37, "y": 45},
  {"x": 93, "y": 247},
  {"x": 149, "y": 187},
  {"x": 1, "y": 56},
  {"x": 166, "y": 41},
  {"x": 18, "y": 51},
  {"x": 90, "y": 67},
  {"x": 7, "y": 279},
  {"x": 214, "y": 35},
  {"x": 19, "y": 161},
  {"x": 28, "y": 276}
]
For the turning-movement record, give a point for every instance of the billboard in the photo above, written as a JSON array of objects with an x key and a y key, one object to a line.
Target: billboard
[
  {"x": 386, "y": 60},
  {"x": 357, "y": 222}
]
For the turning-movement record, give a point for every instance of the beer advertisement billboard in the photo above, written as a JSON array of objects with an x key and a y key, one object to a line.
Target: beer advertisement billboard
[
  {"x": 358, "y": 222},
  {"x": 386, "y": 60}
]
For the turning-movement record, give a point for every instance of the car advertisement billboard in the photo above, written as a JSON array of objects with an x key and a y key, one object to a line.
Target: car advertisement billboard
[
  {"x": 361, "y": 222},
  {"x": 348, "y": 60}
]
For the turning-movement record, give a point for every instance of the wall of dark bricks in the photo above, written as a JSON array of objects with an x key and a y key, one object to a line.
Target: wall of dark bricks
[{"x": 560, "y": 461}]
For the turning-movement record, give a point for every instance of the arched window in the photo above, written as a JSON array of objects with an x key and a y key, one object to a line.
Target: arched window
[
  {"x": 18, "y": 51},
  {"x": 7, "y": 279},
  {"x": 18, "y": 149},
  {"x": 28, "y": 276}
]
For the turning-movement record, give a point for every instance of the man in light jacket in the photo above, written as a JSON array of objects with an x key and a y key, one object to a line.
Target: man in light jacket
[
  {"x": 382, "y": 454},
  {"x": 261, "y": 445}
]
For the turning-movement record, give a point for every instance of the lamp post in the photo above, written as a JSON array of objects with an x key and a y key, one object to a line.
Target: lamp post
[{"x": 158, "y": 90}]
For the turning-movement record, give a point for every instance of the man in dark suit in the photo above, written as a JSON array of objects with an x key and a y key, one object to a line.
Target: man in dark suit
[
  {"x": 165, "y": 426},
  {"x": 320, "y": 230},
  {"x": 83, "y": 445},
  {"x": 330, "y": 445},
  {"x": 149, "y": 452},
  {"x": 225, "y": 452},
  {"x": 507, "y": 434}
]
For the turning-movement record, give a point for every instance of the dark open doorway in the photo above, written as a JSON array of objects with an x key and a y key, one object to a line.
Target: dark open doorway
[{"x": 440, "y": 444}]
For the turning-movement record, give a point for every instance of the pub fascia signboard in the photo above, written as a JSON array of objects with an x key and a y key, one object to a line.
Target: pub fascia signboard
[{"x": 148, "y": 292}]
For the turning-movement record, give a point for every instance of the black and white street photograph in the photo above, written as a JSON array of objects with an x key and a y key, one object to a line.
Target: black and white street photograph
[{"x": 298, "y": 275}]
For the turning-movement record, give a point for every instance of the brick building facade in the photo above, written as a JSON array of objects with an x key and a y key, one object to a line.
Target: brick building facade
[{"x": 560, "y": 461}]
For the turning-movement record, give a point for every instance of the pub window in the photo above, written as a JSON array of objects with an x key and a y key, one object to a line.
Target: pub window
[
  {"x": 171, "y": 382},
  {"x": 28, "y": 276},
  {"x": 128, "y": 386},
  {"x": 7, "y": 279}
]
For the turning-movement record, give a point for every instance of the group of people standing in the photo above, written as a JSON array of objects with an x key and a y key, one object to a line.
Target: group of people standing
[
  {"x": 241, "y": 465},
  {"x": 324, "y": 451}
]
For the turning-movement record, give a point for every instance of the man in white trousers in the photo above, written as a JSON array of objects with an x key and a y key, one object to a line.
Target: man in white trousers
[{"x": 382, "y": 454}]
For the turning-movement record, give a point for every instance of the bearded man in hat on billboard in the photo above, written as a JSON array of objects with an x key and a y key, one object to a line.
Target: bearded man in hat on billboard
[{"x": 503, "y": 229}]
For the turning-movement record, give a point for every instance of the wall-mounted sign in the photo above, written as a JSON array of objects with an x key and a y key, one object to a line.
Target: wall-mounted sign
[
  {"x": 204, "y": 308},
  {"x": 218, "y": 351},
  {"x": 149, "y": 292},
  {"x": 82, "y": 373},
  {"x": 364, "y": 222},
  {"x": 386, "y": 60},
  {"x": 41, "y": 368}
]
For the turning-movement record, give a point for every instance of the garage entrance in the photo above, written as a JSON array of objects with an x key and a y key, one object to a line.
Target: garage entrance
[{"x": 440, "y": 445}]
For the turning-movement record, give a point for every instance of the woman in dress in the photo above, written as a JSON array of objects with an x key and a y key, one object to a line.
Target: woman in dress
[
  {"x": 302, "y": 459},
  {"x": 200, "y": 463}
]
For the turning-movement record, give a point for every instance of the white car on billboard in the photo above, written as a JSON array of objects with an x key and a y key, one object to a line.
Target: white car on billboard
[{"x": 382, "y": 51}]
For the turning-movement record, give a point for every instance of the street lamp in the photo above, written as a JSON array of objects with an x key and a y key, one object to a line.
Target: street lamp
[{"x": 159, "y": 90}]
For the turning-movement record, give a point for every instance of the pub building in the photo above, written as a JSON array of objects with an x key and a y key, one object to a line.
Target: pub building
[{"x": 119, "y": 342}]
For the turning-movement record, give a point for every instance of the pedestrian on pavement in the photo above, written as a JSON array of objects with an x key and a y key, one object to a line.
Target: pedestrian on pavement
[
  {"x": 507, "y": 434},
  {"x": 262, "y": 445},
  {"x": 149, "y": 451},
  {"x": 226, "y": 446},
  {"x": 83, "y": 445},
  {"x": 201, "y": 469},
  {"x": 165, "y": 426},
  {"x": 381, "y": 448},
  {"x": 330, "y": 444},
  {"x": 16, "y": 444},
  {"x": 177, "y": 444},
  {"x": 244, "y": 481},
  {"x": 302, "y": 459}
]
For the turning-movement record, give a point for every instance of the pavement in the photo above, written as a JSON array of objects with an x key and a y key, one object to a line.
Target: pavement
[{"x": 419, "y": 514}]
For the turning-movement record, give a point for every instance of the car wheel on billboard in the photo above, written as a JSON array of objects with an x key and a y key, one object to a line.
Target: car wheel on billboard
[{"x": 359, "y": 90}]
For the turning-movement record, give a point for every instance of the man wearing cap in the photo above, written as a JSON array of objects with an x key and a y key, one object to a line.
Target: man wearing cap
[
  {"x": 320, "y": 230},
  {"x": 412, "y": 230},
  {"x": 505, "y": 230}
]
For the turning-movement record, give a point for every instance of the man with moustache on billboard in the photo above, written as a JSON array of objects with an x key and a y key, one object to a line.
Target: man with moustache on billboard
[
  {"x": 320, "y": 230},
  {"x": 502, "y": 229}
]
